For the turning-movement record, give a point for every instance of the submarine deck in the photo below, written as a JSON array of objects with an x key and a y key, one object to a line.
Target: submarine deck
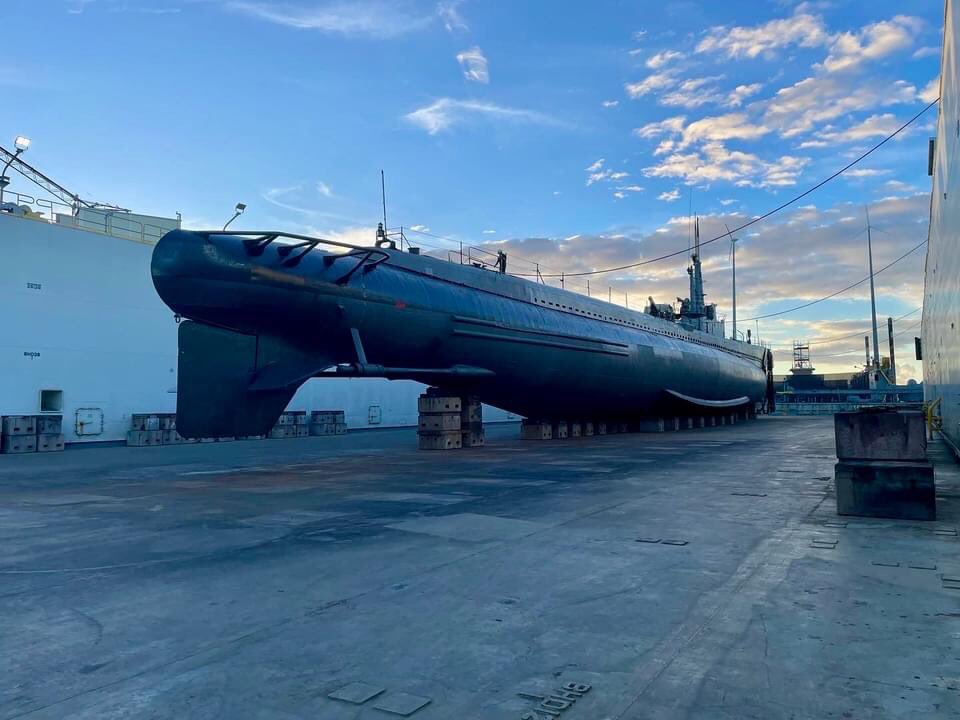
[{"x": 356, "y": 577}]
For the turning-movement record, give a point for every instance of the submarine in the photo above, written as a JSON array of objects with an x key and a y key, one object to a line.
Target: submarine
[{"x": 262, "y": 312}]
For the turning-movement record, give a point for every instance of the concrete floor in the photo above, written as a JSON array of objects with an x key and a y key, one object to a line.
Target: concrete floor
[{"x": 255, "y": 579}]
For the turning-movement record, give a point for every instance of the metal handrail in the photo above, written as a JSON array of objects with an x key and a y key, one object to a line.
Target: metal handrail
[
  {"x": 934, "y": 419},
  {"x": 274, "y": 234},
  {"x": 146, "y": 233}
]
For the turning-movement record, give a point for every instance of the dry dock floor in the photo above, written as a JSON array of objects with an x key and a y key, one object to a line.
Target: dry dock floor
[{"x": 693, "y": 574}]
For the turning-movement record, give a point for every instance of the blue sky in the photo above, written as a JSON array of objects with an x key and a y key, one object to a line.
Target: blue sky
[{"x": 577, "y": 134}]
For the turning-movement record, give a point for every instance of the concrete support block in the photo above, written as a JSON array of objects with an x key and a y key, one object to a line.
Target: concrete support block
[
  {"x": 880, "y": 435},
  {"x": 656, "y": 425},
  {"x": 560, "y": 430},
  {"x": 600, "y": 428},
  {"x": 49, "y": 424},
  {"x": 887, "y": 489},
  {"x": 430, "y": 423},
  {"x": 50, "y": 442},
  {"x": 722, "y": 420},
  {"x": 473, "y": 438},
  {"x": 623, "y": 428},
  {"x": 587, "y": 429},
  {"x": 18, "y": 443},
  {"x": 20, "y": 425},
  {"x": 711, "y": 421},
  {"x": 143, "y": 438},
  {"x": 434, "y": 404},
  {"x": 329, "y": 428},
  {"x": 575, "y": 429},
  {"x": 733, "y": 419},
  {"x": 535, "y": 430},
  {"x": 440, "y": 441},
  {"x": 699, "y": 422}
]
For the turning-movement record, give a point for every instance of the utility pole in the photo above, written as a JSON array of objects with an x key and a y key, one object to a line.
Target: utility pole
[
  {"x": 873, "y": 297},
  {"x": 733, "y": 256}
]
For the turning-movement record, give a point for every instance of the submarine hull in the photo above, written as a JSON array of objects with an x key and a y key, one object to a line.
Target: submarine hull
[{"x": 265, "y": 318}]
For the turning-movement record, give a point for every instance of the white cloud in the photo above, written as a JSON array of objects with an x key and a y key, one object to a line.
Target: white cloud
[
  {"x": 655, "y": 62},
  {"x": 802, "y": 106},
  {"x": 865, "y": 172},
  {"x": 324, "y": 189},
  {"x": 741, "y": 93},
  {"x": 630, "y": 188},
  {"x": 639, "y": 35},
  {"x": 597, "y": 173},
  {"x": 76, "y": 7},
  {"x": 670, "y": 126},
  {"x": 801, "y": 29},
  {"x": 931, "y": 91},
  {"x": 926, "y": 52},
  {"x": 728, "y": 201},
  {"x": 899, "y": 186},
  {"x": 669, "y": 196},
  {"x": 444, "y": 113},
  {"x": 450, "y": 15},
  {"x": 873, "y": 42},
  {"x": 619, "y": 195},
  {"x": 693, "y": 92},
  {"x": 488, "y": 232},
  {"x": 732, "y": 126},
  {"x": 374, "y": 18},
  {"x": 715, "y": 162},
  {"x": 656, "y": 81},
  {"x": 665, "y": 146},
  {"x": 474, "y": 65},
  {"x": 420, "y": 228},
  {"x": 610, "y": 103},
  {"x": 875, "y": 126}
]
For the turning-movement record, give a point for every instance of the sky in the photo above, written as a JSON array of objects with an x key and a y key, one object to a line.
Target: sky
[{"x": 580, "y": 136}]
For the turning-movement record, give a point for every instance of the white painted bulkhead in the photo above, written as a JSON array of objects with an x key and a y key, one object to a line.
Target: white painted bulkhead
[{"x": 81, "y": 316}]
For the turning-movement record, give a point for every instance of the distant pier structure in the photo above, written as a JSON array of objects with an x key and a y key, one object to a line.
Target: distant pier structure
[{"x": 805, "y": 392}]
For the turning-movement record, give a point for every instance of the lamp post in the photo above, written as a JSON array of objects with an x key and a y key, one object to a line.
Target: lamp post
[
  {"x": 238, "y": 211},
  {"x": 20, "y": 145}
]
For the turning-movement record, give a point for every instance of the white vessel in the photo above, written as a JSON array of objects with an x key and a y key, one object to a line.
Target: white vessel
[{"x": 85, "y": 335}]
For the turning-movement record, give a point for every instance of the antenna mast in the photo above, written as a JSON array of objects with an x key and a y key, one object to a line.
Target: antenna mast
[{"x": 873, "y": 297}]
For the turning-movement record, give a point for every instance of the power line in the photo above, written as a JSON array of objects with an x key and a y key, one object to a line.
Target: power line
[
  {"x": 824, "y": 341},
  {"x": 767, "y": 214},
  {"x": 838, "y": 292},
  {"x": 860, "y": 350}
]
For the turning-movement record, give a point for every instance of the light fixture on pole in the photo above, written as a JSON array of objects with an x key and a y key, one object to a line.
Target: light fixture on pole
[
  {"x": 20, "y": 145},
  {"x": 238, "y": 211}
]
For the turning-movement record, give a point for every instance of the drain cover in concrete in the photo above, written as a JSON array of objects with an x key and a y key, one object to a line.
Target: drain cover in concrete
[
  {"x": 470, "y": 527},
  {"x": 79, "y": 499},
  {"x": 401, "y": 704},
  {"x": 291, "y": 518},
  {"x": 356, "y": 693},
  {"x": 425, "y": 498}
]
